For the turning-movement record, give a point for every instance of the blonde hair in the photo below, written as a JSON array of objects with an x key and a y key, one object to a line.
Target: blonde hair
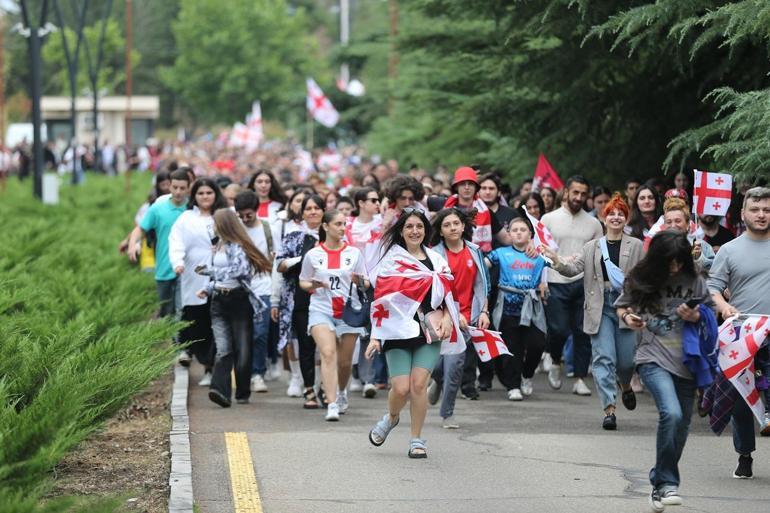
[
  {"x": 676, "y": 204},
  {"x": 231, "y": 229}
]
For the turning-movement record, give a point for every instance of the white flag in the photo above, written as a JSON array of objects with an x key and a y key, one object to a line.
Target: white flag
[
  {"x": 712, "y": 193},
  {"x": 319, "y": 105},
  {"x": 254, "y": 122},
  {"x": 239, "y": 135}
]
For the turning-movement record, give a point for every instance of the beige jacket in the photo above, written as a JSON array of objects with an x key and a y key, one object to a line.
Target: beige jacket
[{"x": 589, "y": 261}]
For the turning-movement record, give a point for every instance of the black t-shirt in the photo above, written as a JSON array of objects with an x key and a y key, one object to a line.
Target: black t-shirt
[
  {"x": 436, "y": 203},
  {"x": 613, "y": 250},
  {"x": 722, "y": 237},
  {"x": 504, "y": 216},
  {"x": 409, "y": 343}
]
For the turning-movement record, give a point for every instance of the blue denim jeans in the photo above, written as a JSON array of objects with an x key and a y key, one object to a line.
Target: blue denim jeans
[
  {"x": 613, "y": 350},
  {"x": 167, "y": 294},
  {"x": 564, "y": 313},
  {"x": 232, "y": 322},
  {"x": 260, "y": 339},
  {"x": 674, "y": 397},
  {"x": 448, "y": 374}
]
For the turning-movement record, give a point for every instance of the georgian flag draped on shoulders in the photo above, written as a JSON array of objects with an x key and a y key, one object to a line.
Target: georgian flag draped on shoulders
[
  {"x": 482, "y": 231},
  {"x": 400, "y": 284},
  {"x": 736, "y": 358},
  {"x": 370, "y": 248}
]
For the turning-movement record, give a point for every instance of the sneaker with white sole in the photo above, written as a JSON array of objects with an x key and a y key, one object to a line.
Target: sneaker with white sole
[
  {"x": 580, "y": 388},
  {"x": 205, "y": 380},
  {"x": 332, "y": 412},
  {"x": 355, "y": 385},
  {"x": 342, "y": 402},
  {"x": 554, "y": 376},
  {"x": 295, "y": 387},
  {"x": 656, "y": 505},
  {"x": 743, "y": 470},
  {"x": 274, "y": 372},
  {"x": 526, "y": 386},
  {"x": 671, "y": 497},
  {"x": 450, "y": 423},
  {"x": 546, "y": 362},
  {"x": 514, "y": 394},
  {"x": 258, "y": 384},
  {"x": 370, "y": 391}
]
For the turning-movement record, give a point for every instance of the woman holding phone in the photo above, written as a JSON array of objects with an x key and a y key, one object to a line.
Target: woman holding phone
[
  {"x": 657, "y": 304},
  {"x": 329, "y": 272}
]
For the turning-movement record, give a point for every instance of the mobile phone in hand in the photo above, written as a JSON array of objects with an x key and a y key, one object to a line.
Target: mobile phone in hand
[{"x": 692, "y": 303}]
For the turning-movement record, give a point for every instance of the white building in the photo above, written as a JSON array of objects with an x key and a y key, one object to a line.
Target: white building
[{"x": 112, "y": 118}]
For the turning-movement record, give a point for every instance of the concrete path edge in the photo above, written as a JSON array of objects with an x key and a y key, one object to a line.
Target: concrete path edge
[{"x": 180, "y": 479}]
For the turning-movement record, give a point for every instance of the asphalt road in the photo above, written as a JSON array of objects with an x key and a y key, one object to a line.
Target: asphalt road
[{"x": 545, "y": 454}]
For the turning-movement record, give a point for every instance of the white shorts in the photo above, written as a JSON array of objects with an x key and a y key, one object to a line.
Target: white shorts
[{"x": 336, "y": 325}]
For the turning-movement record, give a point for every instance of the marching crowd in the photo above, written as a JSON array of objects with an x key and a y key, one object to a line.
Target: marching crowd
[{"x": 359, "y": 278}]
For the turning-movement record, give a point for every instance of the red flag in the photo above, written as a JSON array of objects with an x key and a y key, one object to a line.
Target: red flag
[
  {"x": 542, "y": 234},
  {"x": 489, "y": 344},
  {"x": 546, "y": 175}
]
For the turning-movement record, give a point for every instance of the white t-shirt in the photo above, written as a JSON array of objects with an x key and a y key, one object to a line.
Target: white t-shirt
[
  {"x": 334, "y": 268},
  {"x": 261, "y": 284},
  {"x": 361, "y": 233},
  {"x": 269, "y": 211}
]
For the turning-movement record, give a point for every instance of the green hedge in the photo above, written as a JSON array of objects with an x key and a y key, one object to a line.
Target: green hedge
[{"x": 75, "y": 340}]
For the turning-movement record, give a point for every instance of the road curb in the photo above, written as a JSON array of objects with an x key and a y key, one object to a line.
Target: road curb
[{"x": 180, "y": 480}]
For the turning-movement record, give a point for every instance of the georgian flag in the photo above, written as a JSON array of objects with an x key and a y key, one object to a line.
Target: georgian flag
[
  {"x": 319, "y": 105},
  {"x": 400, "y": 284},
  {"x": 542, "y": 234},
  {"x": 712, "y": 193},
  {"x": 254, "y": 124},
  {"x": 488, "y": 344},
  {"x": 736, "y": 358},
  {"x": 239, "y": 135}
]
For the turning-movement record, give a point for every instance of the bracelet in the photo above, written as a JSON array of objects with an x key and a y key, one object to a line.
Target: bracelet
[
  {"x": 623, "y": 317},
  {"x": 484, "y": 312}
]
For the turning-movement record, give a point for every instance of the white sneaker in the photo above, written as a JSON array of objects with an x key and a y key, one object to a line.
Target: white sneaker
[
  {"x": 554, "y": 376},
  {"x": 580, "y": 388},
  {"x": 515, "y": 395},
  {"x": 671, "y": 497},
  {"x": 274, "y": 372},
  {"x": 450, "y": 423},
  {"x": 332, "y": 412},
  {"x": 355, "y": 385},
  {"x": 370, "y": 391},
  {"x": 342, "y": 402},
  {"x": 258, "y": 384},
  {"x": 546, "y": 362},
  {"x": 205, "y": 380},
  {"x": 526, "y": 386},
  {"x": 295, "y": 387}
]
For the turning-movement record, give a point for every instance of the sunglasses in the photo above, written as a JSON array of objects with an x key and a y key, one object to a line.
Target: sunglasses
[{"x": 373, "y": 200}]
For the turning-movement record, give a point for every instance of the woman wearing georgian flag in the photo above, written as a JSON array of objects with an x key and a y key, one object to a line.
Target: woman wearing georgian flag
[
  {"x": 411, "y": 283},
  {"x": 270, "y": 194},
  {"x": 327, "y": 272}
]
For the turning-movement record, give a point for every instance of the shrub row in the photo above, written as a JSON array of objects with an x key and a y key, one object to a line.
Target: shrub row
[{"x": 76, "y": 342}]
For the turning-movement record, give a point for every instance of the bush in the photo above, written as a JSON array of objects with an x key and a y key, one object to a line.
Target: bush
[{"x": 77, "y": 342}]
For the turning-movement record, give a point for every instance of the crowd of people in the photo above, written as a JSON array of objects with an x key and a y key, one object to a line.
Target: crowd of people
[{"x": 358, "y": 277}]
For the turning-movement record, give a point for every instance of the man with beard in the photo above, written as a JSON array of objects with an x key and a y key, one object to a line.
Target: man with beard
[
  {"x": 714, "y": 233},
  {"x": 571, "y": 227},
  {"x": 743, "y": 267}
]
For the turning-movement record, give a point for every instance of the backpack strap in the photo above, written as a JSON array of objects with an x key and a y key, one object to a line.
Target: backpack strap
[{"x": 268, "y": 238}]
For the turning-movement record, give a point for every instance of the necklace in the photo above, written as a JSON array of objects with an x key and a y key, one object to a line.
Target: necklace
[{"x": 613, "y": 241}]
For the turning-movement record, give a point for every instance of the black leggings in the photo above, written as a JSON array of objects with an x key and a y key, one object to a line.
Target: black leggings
[
  {"x": 199, "y": 333},
  {"x": 526, "y": 343},
  {"x": 306, "y": 347}
]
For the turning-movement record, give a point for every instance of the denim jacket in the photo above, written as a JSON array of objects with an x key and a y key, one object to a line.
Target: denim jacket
[{"x": 238, "y": 268}]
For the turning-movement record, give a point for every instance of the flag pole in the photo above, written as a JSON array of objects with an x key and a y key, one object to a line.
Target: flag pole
[{"x": 309, "y": 135}]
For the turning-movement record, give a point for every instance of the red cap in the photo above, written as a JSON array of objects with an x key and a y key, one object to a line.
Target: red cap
[{"x": 465, "y": 174}]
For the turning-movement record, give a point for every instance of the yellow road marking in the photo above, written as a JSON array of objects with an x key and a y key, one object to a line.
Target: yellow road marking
[{"x": 242, "y": 479}]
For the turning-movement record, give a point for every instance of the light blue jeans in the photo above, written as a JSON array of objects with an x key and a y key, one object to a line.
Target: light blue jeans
[
  {"x": 448, "y": 374},
  {"x": 613, "y": 351},
  {"x": 674, "y": 397},
  {"x": 259, "y": 345}
]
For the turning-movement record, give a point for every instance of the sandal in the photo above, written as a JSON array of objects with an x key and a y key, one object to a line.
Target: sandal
[
  {"x": 311, "y": 401},
  {"x": 381, "y": 429},
  {"x": 417, "y": 449},
  {"x": 322, "y": 397}
]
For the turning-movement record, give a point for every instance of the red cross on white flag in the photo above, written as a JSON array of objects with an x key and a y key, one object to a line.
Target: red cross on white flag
[
  {"x": 712, "y": 193},
  {"x": 489, "y": 344},
  {"x": 319, "y": 105}
]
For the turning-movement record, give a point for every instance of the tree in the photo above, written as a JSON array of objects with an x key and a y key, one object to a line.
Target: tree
[{"x": 232, "y": 53}]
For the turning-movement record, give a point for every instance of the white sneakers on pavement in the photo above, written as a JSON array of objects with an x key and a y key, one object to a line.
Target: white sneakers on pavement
[
  {"x": 580, "y": 388},
  {"x": 355, "y": 385},
  {"x": 554, "y": 376},
  {"x": 295, "y": 386},
  {"x": 332, "y": 412},
  {"x": 450, "y": 423},
  {"x": 370, "y": 391},
  {"x": 205, "y": 380},
  {"x": 342, "y": 402},
  {"x": 526, "y": 387},
  {"x": 258, "y": 384},
  {"x": 274, "y": 372},
  {"x": 514, "y": 394}
]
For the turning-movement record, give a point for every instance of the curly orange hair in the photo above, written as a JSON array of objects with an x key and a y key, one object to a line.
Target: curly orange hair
[{"x": 617, "y": 203}]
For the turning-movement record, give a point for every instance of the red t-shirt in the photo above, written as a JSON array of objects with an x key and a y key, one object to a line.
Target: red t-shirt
[{"x": 464, "y": 271}]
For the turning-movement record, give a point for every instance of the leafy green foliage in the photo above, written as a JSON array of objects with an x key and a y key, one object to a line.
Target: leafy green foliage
[
  {"x": 76, "y": 334},
  {"x": 229, "y": 57}
]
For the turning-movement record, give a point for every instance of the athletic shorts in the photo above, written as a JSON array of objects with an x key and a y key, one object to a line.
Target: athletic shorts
[
  {"x": 336, "y": 325},
  {"x": 402, "y": 361}
]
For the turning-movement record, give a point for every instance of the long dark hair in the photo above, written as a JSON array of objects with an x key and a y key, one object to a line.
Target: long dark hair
[
  {"x": 392, "y": 235},
  {"x": 291, "y": 216},
  {"x": 539, "y": 200},
  {"x": 276, "y": 192},
  {"x": 466, "y": 218},
  {"x": 361, "y": 195},
  {"x": 637, "y": 223},
  {"x": 650, "y": 275},
  {"x": 161, "y": 176},
  {"x": 327, "y": 218},
  {"x": 219, "y": 199}
]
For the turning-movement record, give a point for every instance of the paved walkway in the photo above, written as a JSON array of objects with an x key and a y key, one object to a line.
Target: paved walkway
[{"x": 546, "y": 454}]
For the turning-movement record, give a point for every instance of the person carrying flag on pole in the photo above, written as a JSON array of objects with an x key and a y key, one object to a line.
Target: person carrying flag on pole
[
  {"x": 742, "y": 266},
  {"x": 519, "y": 313},
  {"x": 414, "y": 320}
]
